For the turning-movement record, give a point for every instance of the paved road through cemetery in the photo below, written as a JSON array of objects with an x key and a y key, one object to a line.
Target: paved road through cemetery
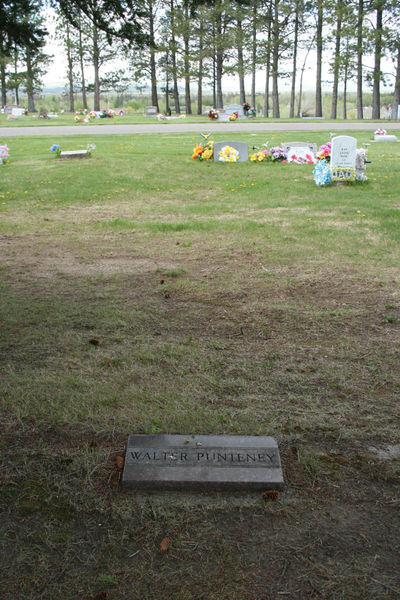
[{"x": 182, "y": 127}]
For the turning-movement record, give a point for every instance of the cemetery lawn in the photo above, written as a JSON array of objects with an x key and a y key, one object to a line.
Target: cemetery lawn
[{"x": 143, "y": 291}]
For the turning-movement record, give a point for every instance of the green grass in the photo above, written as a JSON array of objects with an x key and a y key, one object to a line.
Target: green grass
[{"x": 143, "y": 291}]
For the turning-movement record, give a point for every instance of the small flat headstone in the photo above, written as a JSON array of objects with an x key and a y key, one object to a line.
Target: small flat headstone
[
  {"x": 202, "y": 463},
  {"x": 241, "y": 147},
  {"x": 74, "y": 154},
  {"x": 385, "y": 138}
]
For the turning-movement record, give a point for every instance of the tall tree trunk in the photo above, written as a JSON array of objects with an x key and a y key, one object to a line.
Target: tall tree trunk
[
  {"x": 376, "y": 89},
  {"x": 70, "y": 69},
  {"x": 298, "y": 114},
  {"x": 360, "y": 18},
  {"x": 319, "y": 40},
  {"x": 267, "y": 69},
  {"x": 153, "y": 71},
  {"x": 396, "y": 95},
  {"x": 345, "y": 75},
  {"x": 16, "y": 73},
  {"x": 294, "y": 69},
  {"x": 186, "y": 61},
  {"x": 167, "y": 107},
  {"x": 81, "y": 56},
  {"x": 275, "y": 63},
  {"x": 173, "y": 59},
  {"x": 200, "y": 71},
  {"x": 214, "y": 82},
  {"x": 253, "y": 54},
  {"x": 30, "y": 82},
  {"x": 219, "y": 56},
  {"x": 239, "y": 43},
  {"x": 336, "y": 64},
  {"x": 3, "y": 73},
  {"x": 96, "y": 67}
]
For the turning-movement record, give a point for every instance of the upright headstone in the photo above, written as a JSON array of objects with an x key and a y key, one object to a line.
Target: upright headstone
[
  {"x": 202, "y": 463},
  {"x": 235, "y": 108},
  {"x": 343, "y": 158},
  {"x": 241, "y": 147},
  {"x": 223, "y": 116},
  {"x": 150, "y": 111}
]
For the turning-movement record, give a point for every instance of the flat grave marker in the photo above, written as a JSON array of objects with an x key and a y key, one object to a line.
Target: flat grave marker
[
  {"x": 74, "y": 154},
  {"x": 202, "y": 463}
]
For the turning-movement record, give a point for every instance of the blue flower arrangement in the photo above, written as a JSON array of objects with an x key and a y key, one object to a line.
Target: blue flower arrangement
[
  {"x": 56, "y": 148},
  {"x": 322, "y": 173}
]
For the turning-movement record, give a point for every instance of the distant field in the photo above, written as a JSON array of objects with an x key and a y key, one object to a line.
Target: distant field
[{"x": 142, "y": 291}]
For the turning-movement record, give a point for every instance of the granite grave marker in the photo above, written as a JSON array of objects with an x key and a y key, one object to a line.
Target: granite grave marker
[
  {"x": 343, "y": 158},
  {"x": 202, "y": 463},
  {"x": 241, "y": 147}
]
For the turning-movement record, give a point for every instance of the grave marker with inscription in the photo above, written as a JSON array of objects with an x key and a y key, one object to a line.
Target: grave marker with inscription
[
  {"x": 235, "y": 108},
  {"x": 302, "y": 150},
  {"x": 343, "y": 158},
  {"x": 202, "y": 463}
]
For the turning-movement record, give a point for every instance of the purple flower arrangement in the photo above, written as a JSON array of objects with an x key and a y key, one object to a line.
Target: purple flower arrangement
[{"x": 276, "y": 153}]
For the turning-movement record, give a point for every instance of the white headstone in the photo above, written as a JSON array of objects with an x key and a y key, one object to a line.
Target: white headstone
[
  {"x": 343, "y": 158},
  {"x": 303, "y": 151},
  {"x": 18, "y": 112}
]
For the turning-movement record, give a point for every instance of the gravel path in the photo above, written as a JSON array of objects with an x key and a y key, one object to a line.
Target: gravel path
[{"x": 186, "y": 127}]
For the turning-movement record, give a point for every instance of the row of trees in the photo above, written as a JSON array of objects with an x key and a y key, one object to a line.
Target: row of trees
[{"x": 166, "y": 42}]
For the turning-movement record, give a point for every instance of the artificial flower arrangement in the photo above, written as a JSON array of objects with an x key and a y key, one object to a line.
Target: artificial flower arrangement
[
  {"x": 247, "y": 108},
  {"x": 56, "y": 148},
  {"x": 90, "y": 148},
  {"x": 277, "y": 154},
  {"x": 324, "y": 152},
  {"x": 259, "y": 156},
  {"x": 233, "y": 116},
  {"x": 380, "y": 132},
  {"x": 92, "y": 115},
  {"x": 302, "y": 160},
  {"x": 3, "y": 155},
  {"x": 213, "y": 114},
  {"x": 228, "y": 154},
  {"x": 106, "y": 114},
  {"x": 322, "y": 172},
  {"x": 78, "y": 118},
  {"x": 121, "y": 112},
  {"x": 204, "y": 151}
]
